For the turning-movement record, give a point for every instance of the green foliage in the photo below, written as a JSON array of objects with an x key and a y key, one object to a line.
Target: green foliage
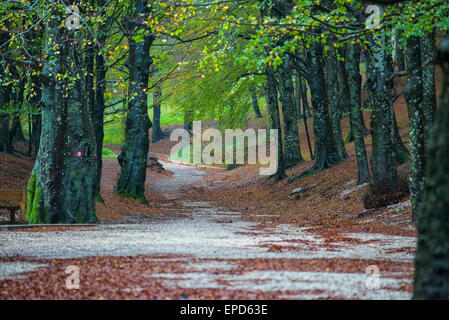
[
  {"x": 107, "y": 153},
  {"x": 113, "y": 132}
]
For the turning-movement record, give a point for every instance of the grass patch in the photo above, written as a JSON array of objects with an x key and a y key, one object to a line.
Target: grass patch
[
  {"x": 114, "y": 132},
  {"x": 114, "y": 128},
  {"x": 169, "y": 118},
  {"x": 108, "y": 153}
]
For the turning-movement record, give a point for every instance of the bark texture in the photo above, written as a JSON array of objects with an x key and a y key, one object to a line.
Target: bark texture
[
  {"x": 157, "y": 134},
  {"x": 414, "y": 97},
  {"x": 325, "y": 152},
  {"x": 380, "y": 84},
  {"x": 98, "y": 108},
  {"x": 61, "y": 186},
  {"x": 355, "y": 85},
  {"x": 255, "y": 102},
  {"x": 273, "y": 109},
  {"x": 432, "y": 256},
  {"x": 133, "y": 158},
  {"x": 335, "y": 102},
  {"x": 428, "y": 78},
  {"x": 292, "y": 150}
]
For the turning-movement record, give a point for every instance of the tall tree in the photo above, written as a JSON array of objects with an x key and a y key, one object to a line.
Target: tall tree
[
  {"x": 302, "y": 99},
  {"x": 428, "y": 73},
  {"x": 292, "y": 148},
  {"x": 414, "y": 97},
  {"x": 380, "y": 84},
  {"x": 133, "y": 157},
  {"x": 157, "y": 134},
  {"x": 335, "y": 100},
  {"x": 273, "y": 109},
  {"x": 355, "y": 85},
  {"x": 61, "y": 186},
  {"x": 326, "y": 153},
  {"x": 400, "y": 151},
  {"x": 432, "y": 256},
  {"x": 5, "y": 96},
  {"x": 98, "y": 99},
  {"x": 255, "y": 102}
]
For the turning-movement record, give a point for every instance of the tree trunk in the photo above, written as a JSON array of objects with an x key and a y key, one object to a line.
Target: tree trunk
[
  {"x": 188, "y": 120},
  {"x": 36, "y": 114},
  {"x": 36, "y": 124},
  {"x": 429, "y": 93},
  {"x": 325, "y": 152},
  {"x": 273, "y": 109},
  {"x": 400, "y": 59},
  {"x": 61, "y": 186},
  {"x": 344, "y": 98},
  {"x": 383, "y": 163},
  {"x": 298, "y": 95},
  {"x": 334, "y": 96},
  {"x": 414, "y": 97},
  {"x": 98, "y": 110},
  {"x": 5, "y": 96},
  {"x": 431, "y": 279},
  {"x": 305, "y": 113},
  {"x": 292, "y": 152},
  {"x": 157, "y": 132},
  {"x": 305, "y": 101},
  {"x": 255, "y": 103},
  {"x": 400, "y": 151},
  {"x": 133, "y": 158},
  {"x": 355, "y": 85}
]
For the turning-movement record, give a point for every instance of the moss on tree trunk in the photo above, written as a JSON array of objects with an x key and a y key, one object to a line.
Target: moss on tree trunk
[{"x": 61, "y": 187}]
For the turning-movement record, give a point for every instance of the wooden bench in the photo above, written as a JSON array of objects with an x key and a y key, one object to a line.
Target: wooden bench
[{"x": 13, "y": 200}]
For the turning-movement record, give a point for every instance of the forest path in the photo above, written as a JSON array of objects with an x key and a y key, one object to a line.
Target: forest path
[{"x": 204, "y": 248}]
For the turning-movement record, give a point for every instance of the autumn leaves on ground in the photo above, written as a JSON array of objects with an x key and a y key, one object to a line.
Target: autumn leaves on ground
[{"x": 317, "y": 243}]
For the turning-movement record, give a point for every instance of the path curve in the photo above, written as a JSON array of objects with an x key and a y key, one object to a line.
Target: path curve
[{"x": 211, "y": 238}]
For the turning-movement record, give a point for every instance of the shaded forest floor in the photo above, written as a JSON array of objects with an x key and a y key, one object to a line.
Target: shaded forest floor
[{"x": 220, "y": 234}]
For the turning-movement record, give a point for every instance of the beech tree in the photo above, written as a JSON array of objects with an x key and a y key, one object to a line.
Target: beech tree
[
  {"x": 357, "y": 125},
  {"x": 61, "y": 187},
  {"x": 133, "y": 158},
  {"x": 432, "y": 256}
]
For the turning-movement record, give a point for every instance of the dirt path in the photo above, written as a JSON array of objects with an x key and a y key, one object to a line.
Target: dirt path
[{"x": 202, "y": 248}]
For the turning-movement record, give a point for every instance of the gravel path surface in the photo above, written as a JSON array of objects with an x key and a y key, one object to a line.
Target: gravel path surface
[{"x": 203, "y": 230}]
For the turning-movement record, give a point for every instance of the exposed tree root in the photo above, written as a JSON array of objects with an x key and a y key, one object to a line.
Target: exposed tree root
[
  {"x": 324, "y": 163},
  {"x": 134, "y": 196},
  {"x": 276, "y": 178}
]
